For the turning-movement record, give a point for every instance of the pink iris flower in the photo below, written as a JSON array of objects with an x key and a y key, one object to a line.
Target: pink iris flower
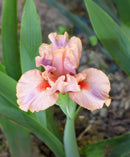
[{"x": 38, "y": 90}]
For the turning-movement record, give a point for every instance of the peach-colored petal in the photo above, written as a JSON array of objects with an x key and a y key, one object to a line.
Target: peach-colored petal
[
  {"x": 107, "y": 102},
  {"x": 64, "y": 61},
  {"x": 62, "y": 84},
  {"x": 62, "y": 41},
  {"x": 58, "y": 61},
  {"x": 59, "y": 85},
  {"x": 46, "y": 49},
  {"x": 62, "y": 56},
  {"x": 76, "y": 46},
  {"x": 72, "y": 85},
  {"x": 46, "y": 63},
  {"x": 70, "y": 64},
  {"x": 58, "y": 41},
  {"x": 65, "y": 85},
  {"x": 87, "y": 100},
  {"x": 80, "y": 77},
  {"x": 95, "y": 92},
  {"x": 98, "y": 81},
  {"x": 32, "y": 92},
  {"x": 51, "y": 78},
  {"x": 45, "y": 58},
  {"x": 43, "y": 101}
]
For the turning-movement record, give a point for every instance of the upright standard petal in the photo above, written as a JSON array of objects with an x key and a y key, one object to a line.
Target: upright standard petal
[
  {"x": 32, "y": 92},
  {"x": 62, "y": 56},
  {"x": 70, "y": 62},
  {"x": 64, "y": 61},
  {"x": 76, "y": 47},
  {"x": 58, "y": 61},
  {"x": 45, "y": 58},
  {"x": 94, "y": 90},
  {"x": 58, "y": 41}
]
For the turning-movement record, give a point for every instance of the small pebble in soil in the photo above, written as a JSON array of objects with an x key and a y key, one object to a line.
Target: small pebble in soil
[{"x": 103, "y": 112}]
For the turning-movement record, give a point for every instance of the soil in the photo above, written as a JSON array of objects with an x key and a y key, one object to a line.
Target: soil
[{"x": 90, "y": 126}]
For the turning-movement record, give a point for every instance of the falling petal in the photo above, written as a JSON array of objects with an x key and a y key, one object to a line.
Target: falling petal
[
  {"x": 94, "y": 91},
  {"x": 32, "y": 92}
]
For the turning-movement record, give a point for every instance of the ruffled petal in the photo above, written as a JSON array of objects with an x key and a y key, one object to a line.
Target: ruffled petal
[
  {"x": 49, "y": 77},
  {"x": 70, "y": 64},
  {"x": 45, "y": 58},
  {"x": 64, "y": 61},
  {"x": 59, "y": 85},
  {"x": 62, "y": 56},
  {"x": 72, "y": 85},
  {"x": 76, "y": 46},
  {"x": 65, "y": 84},
  {"x": 94, "y": 90},
  {"x": 87, "y": 100},
  {"x": 98, "y": 82},
  {"x": 46, "y": 49},
  {"x": 62, "y": 84},
  {"x": 58, "y": 41},
  {"x": 32, "y": 92}
]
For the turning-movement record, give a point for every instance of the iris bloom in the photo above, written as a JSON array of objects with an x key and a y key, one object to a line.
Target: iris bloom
[{"x": 38, "y": 90}]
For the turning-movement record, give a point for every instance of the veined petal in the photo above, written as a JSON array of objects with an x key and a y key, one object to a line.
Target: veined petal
[
  {"x": 72, "y": 85},
  {"x": 32, "y": 92},
  {"x": 70, "y": 63},
  {"x": 94, "y": 90},
  {"x": 58, "y": 61},
  {"x": 62, "y": 56},
  {"x": 45, "y": 58},
  {"x": 46, "y": 49},
  {"x": 58, "y": 41},
  {"x": 87, "y": 100},
  {"x": 49, "y": 77},
  {"x": 62, "y": 84},
  {"x": 98, "y": 81},
  {"x": 43, "y": 101},
  {"x": 76, "y": 46},
  {"x": 46, "y": 63},
  {"x": 59, "y": 85}
]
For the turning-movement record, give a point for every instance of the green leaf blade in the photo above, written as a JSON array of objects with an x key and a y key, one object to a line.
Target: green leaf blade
[
  {"x": 8, "y": 88},
  {"x": 30, "y": 36},
  {"x": 28, "y": 121},
  {"x": 10, "y": 48},
  {"x": 16, "y": 136},
  {"x": 30, "y": 40},
  {"x": 9, "y": 109},
  {"x": 113, "y": 147},
  {"x": 2, "y": 68},
  {"x": 124, "y": 11},
  {"x": 110, "y": 34}
]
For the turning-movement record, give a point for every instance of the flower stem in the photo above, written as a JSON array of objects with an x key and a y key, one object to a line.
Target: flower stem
[
  {"x": 71, "y": 148},
  {"x": 77, "y": 112}
]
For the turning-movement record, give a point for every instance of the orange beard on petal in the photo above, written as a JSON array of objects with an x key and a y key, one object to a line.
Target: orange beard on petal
[
  {"x": 84, "y": 85},
  {"x": 42, "y": 86}
]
